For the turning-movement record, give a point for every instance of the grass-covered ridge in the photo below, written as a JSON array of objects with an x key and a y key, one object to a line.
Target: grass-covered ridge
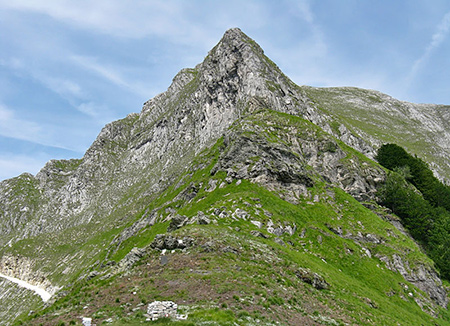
[
  {"x": 239, "y": 273},
  {"x": 256, "y": 274}
]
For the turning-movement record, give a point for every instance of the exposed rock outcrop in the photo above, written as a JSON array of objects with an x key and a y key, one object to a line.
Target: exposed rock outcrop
[
  {"x": 421, "y": 276},
  {"x": 168, "y": 242},
  {"x": 285, "y": 163},
  {"x": 144, "y": 152},
  {"x": 312, "y": 278},
  {"x": 162, "y": 309}
]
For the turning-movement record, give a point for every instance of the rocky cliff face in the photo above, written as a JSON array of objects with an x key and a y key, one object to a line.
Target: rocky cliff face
[
  {"x": 286, "y": 161},
  {"x": 12, "y": 300},
  {"x": 64, "y": 221},
  {"x": 199, "y": 106},
  {"x": 156, "y": 144}
]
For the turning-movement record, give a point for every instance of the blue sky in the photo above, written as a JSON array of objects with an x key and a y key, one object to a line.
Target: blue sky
[{"x": 68, "y": 67}]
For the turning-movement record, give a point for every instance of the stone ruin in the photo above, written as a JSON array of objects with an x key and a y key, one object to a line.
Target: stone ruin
[{"x": 162, "y": 309}]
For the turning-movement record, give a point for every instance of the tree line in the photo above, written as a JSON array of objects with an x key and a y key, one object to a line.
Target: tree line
[{"x": 414, "y": 194}]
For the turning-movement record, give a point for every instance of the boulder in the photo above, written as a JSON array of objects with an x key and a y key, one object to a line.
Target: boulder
[{"x": 316, "y": 280}]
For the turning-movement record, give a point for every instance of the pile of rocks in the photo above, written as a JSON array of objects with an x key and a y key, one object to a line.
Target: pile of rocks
[
  {"x": 162, "y": 309},
  {"x": 168, "y": 242}
]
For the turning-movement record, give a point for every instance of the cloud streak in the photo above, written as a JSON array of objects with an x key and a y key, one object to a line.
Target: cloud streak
[
  {"x": 109, "y": 73},
  {"x": 12, "y": 127},
  {"x": 5, "y": 114},
  {"x": 306, "y": 13},
  {"x": 42, "y": 134},
  {"x": 437, "y": 39},
  {"x": 112, "y": 17}
]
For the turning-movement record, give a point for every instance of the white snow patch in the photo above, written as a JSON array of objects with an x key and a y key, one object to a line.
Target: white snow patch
[{"x": 38, "y": 290}]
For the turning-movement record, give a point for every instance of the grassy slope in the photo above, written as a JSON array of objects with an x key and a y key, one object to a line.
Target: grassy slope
[{"x": 256, "y": 281}]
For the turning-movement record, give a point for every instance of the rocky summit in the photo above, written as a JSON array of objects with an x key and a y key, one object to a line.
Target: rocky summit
[{"x": 236, "y": 195}]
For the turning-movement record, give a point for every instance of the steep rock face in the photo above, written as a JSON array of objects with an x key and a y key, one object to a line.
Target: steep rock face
[
  {"x": 12, "y": 300},
  {"x": 144, "y": 152},
  {"x": 19, "y": 200},
  {"x": 421, "y": 276},
  {"x": 294, "y": 156},
  {"x": 156, "y": 144}
]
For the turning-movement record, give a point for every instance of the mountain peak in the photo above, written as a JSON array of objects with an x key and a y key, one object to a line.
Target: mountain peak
[
  {"x": 234, "y": 40},
  {"x": 235, "y": 34}
]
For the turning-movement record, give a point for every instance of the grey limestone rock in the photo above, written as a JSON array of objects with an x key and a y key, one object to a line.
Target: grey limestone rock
[
  {"x": 23, "y": 268},
  {"x": 312, "y": 278},
  {"x": 177, "y": 222},
  {"x": 422, "y": 276},
  {"x": 130, "y": 259},
  {"x": 258, "y": 224},
  {"x": 168, "y": 242},
  {"x": 290, "y": 229},
  {"x": 135, "y": 228},
  {"x": 230, "y": 250},
  {"x": 212, "y": 184},
  {"x": 240, "y": 214},
  {"x": 203, "y": 220},
  {"x": 280, "y": 242},
  {"x": 209, "y": 246},
  {"x": 258, "y": 234}
]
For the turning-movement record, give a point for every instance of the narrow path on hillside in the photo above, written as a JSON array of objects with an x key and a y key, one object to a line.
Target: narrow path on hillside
[{"x": 40, "y": 291}]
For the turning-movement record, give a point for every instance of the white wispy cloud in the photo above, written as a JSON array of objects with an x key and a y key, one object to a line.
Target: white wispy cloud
[
  {"x": 109, "y": 73},
  {"x": 93, "y": 65},
  {"x": 76, "y": 97},
  {"x": 73, "y": 92},
  {"x": 64, "y": 87},
  {"x": 305, "y": 12},
  {"x": 15, "y": 127},
  {"x": 12, "y": 63},
  {"x": 119, "y": 18},
  {"x": 5, "y": 114},
  {"x": 99, "y": 112},
  {"x": 305, "y": 58},
  {"x": 437, "y": 39}
]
